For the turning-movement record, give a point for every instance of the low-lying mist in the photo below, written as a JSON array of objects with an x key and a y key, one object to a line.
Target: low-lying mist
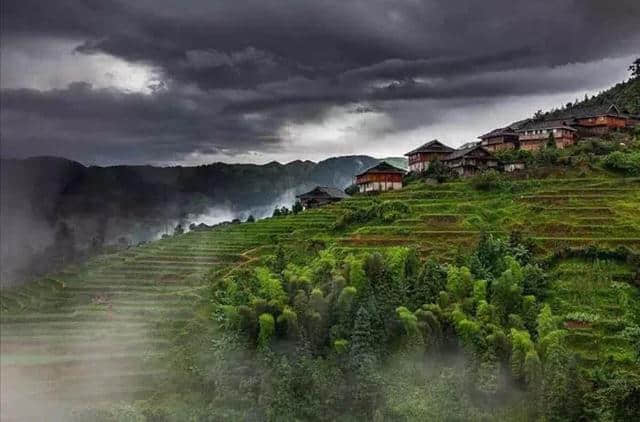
[{"x": 54, "y": 211}]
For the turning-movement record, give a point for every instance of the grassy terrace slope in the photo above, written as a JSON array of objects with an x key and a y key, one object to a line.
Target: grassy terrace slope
[{"x": 101, "y": 333}]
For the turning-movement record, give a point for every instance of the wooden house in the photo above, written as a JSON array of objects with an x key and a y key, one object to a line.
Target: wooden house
[
  {"x": 535, "y": 134},
  {"x": 500, "y": 139},
  {"x": 381, "y": 177},
  {"x": 468, "y": 161},
  {"x": 598, "y": 120},
  {"x": 321, "y": 195},
  {"x": 420, "y": 157}
]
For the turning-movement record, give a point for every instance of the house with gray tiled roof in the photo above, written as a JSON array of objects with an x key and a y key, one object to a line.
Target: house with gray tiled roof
[
  {"x": 536, "y": 133},
  {"x": 321, "y": 195},
  {"x": 468, "y": 161},
  {"x": 420, "y": 157},
  {"x": 381, "y": 177}
]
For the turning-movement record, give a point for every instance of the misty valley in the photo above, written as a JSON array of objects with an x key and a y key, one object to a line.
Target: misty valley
[{"x": 56, "y": 211}]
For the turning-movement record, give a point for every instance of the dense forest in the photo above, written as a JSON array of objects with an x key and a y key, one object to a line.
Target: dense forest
[{"x": 384, "y": 336}]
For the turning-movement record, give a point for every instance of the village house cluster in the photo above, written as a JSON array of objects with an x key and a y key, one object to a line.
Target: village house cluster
[{"x": 563, "y": 128}]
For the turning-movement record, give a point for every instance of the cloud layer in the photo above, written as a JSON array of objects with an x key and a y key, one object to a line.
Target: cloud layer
[{"x": 158, "y": 81}]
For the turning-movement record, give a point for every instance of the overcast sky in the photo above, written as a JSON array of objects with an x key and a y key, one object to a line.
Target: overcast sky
[{"x": 195, "y": 81}]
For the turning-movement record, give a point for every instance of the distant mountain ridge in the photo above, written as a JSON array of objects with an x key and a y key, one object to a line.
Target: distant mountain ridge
[
  {"x": 55, "y": 179},
  {"x": 139, "y": 202}
]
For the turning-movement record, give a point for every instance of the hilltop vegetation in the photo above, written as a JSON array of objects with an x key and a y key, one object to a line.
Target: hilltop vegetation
[
  {"x": 625, "y": 95},
  {"x": 514, "y": 299}
]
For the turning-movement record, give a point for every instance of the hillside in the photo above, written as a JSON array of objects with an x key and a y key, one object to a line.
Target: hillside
[
  {"x": 161, "y": 321},
  {"x": 625, "y": 95},
  {"x": 103, "y": 204}
]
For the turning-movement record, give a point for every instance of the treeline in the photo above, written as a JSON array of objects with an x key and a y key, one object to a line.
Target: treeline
[{"x": 384, "y": 336}]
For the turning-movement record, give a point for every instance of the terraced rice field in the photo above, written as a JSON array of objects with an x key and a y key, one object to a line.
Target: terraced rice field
[
  {"x": 100, "y": 334},
  {"x": 554, "y": 212}
]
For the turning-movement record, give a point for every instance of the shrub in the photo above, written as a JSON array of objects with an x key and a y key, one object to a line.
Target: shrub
[
  {"x": 393, "y": 206},
  {"x": 548, "y": 156},
  {"x": 438, "y": 171},
  {"x": 489, "y": 180},
  {"x": 390, "y": 216},
  {"x": 514, "y": 155},
  {"x": 341, "y": 346},
  {"x": 351, "y": 189},
  {"x": 593, "y": 146},
  {"x": 581, "y": 317},
  {"x": 387, "y": 211},
  {"x": 626, "y": 163}
]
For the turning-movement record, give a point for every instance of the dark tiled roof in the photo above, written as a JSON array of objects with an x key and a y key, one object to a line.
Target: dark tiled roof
[
  {"x": 324, "y": 192},
  {"x": 431, "y": 146},
  {"x": 468, "y": 145},
  {"x": 584, "y": 112},
  {"x": 546, "y": 124},
  {"x": 504, "y": 131},
  {"x": 609, "y": 110},
  {"x": 383, "y": 167},
  {"x": 517, "y": 125},
  {"x": 459, "y": 153}
]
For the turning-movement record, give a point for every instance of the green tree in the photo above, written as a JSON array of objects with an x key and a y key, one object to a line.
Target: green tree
[
  {"x": 431, "y": 280},
  {"x": 551, "y": 140},
  {"x": 618, "y": 396},
  {"x": 507, "y": 290},
  {"x": 412, "y": 332},
  {"x": 297, "y": 207},
  {"x": 556, "y": 377},
  {"x": 280, "y": 260},
  {"x": 521, "y": 345},
  {"x": 366, "y": 388},
  {"x": 459, "y": 282},
  {"x": 430, "y": 325},
  {"x": 535, "y": 281},
  {"x": 362, "y": 347},
  {"x": 545, "y": 322},
  {"x": 386, "y": 293},
  {"x": 437, "y": 170},
  {"x": 288, "y": 320},
  {"x": 532, "y": 370},
  {"x": 530, "y": 313},
  {"x": 354, "y": 269},
  {"x": 480, "y": 291},
  {"x": 251, "y": 218},
  {"x": 270, "y": 286},
  {"x": 634, "y": 68},
  {"x": 488, "y": 260},
  {"x": 267, "y": 330}
]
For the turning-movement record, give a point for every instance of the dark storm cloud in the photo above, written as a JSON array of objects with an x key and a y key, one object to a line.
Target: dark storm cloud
[
  {"x": 102, "y": 124},
  {"x": 291, "y": 61}
]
